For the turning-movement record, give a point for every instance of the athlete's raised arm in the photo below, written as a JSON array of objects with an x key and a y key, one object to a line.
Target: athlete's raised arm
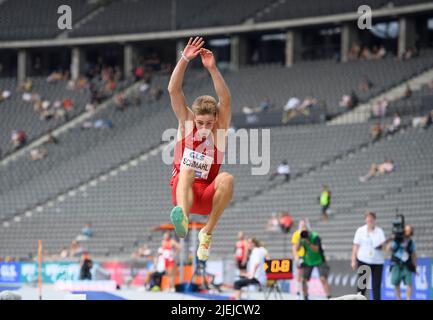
[
  {"x": 178, "y": 102},
  {"x": 223, "y": 92}
]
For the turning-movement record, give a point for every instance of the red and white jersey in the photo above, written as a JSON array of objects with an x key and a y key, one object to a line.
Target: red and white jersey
[
  {"x": 167, "y": 250},
  {"x": 241, "y": 250},
  {"x": 198, "y": 154}
]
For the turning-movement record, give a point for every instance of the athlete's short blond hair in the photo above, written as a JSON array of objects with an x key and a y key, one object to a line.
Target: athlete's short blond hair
[{"x": 204, "y": 105}]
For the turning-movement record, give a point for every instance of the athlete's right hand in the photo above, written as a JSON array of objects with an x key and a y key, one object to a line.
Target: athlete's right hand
[
  {"x": 353, "y": 264},
  {"x": 193, "y": 47}
]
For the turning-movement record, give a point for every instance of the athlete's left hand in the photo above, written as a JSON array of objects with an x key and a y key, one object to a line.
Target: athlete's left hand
[{"x": 207, "y": 58}]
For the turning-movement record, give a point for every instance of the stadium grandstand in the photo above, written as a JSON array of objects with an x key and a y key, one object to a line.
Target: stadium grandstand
[{"x": 84, "y": 113}]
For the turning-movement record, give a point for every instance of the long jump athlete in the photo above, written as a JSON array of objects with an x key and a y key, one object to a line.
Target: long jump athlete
[{"x": 197, "y": 187}]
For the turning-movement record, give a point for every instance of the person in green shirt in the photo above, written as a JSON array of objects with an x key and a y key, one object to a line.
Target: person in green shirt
[{"x": 313, "y": 258}]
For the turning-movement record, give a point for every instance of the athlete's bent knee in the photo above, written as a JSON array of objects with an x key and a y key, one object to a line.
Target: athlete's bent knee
[{"x": 227, "y": 180}]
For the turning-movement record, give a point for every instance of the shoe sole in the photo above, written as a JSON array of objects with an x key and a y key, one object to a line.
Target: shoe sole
[{"x": 176, "y": 217}]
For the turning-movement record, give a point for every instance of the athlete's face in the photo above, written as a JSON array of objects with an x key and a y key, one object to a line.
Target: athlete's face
[{"x": 205, "y": 123}]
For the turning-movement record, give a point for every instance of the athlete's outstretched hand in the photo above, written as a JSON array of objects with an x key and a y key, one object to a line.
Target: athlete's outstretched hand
[
  {"x": 207, "y": 58},
  {"x": 193, "y": 47}
]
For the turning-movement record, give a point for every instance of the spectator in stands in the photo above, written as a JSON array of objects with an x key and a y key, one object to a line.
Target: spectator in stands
[
  {"x": 4, "y": 95},
  {"x": 379, "y": 107},
  {"x": 241, "y": 253},
  {"x": 286, "y": 222},
  {"x": 68, "y": 104},
  {"x": 90, "y": 107},
  {"x": 87, "y": 230},
  {"x": 265, "y": 105},
  {"x": 380, "y": 53},
  {"x": 403, "y": 261},
  {"x": 120, "y": 102},
  {"x": 355, "y": 51},
  {"x": 282, "y": 170},
  {"x": 76, "y": 249},
  {"x": 325, "y": 202},
  {"x": 86, "y": 265},
  {"x": 255, "y": 268},
  {"x": 349, "y": 101},
  {"x": 273, "y": 224},
  {"x": 26, "y": 86},
  {"x": 64, "y": 253},
  {"x": 376, "y": 131},
  {"x": 155, "y": 94},
  {"x": 367, "y": 252},
  {"x": 395, "y": 125},
  {"x": 55, "y": 76},
  {"x": 313, "y": 257},
  {"x": 38, "y": 154},
  {"x": 409, "y": 53},
  {"x": 142, "y": 252},
  {"x": 387, "y": 167},
  {"x": 366, "y": 54},
  {"x": 18, "y": 139},
  {"x": 365, "y": 85},
  {"x": 423, "y": 122},
  {"x": 408, "y": 92},
  {"x": 103, "y": 124}
]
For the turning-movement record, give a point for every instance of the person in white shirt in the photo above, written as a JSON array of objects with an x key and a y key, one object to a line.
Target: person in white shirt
[
  {"x": 368, "y": 245},
  {"x": 282, "y": 170},
  {"x": 255, "y": 268}
]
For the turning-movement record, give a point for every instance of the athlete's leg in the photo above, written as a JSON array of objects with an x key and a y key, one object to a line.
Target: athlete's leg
[
  {"x": 184, "y": 200},
  {"x": 184, "y": 193},
  {"x": 223, "y": 185},
  {"x": 223, "y": 195}
]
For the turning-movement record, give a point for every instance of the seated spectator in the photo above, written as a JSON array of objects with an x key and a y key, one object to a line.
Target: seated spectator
[
  {"x": 376, "y": 131},
  {"x": 102, "y": 124},
  {"x": 379, "y": 107},
  {"x": 366, "y": 54},
  {"x": 286, "y": 222},
  {"x": 349, "y": 101},
  {"x": 76, "y": 249},
  {"x": 386, "y": 167},
  {"x": 18, "y": 139},
  {"x": 68, "y": 104},
  {"x": 423, "y": 122},
  {"x": 365, "y": 84},
  {"x": 51, "y": 139},
  {"x": 407, "y": 93},
  {"x": 282, "y": 170},
  {"x": 144, "y": 87},
  {"x": 64, "y": 253},
  {"x": 380, "y": 53},
  {"x": 155, "y": 94},
  {"x": 292, "y": 104},
  {"x": 38, "y": 154},
  {"x": 265, "y": 105},
  {"x": 142, "y": 252},
  {"x": 54, "y": 76},
  {"x": 273, "y": 223},
  {"x": 4, "y": 95},
  {"x": 87, "y": 230},
  {"x": 90, "y": 107},
  {"x": 355, "y": 51},
  {"x": 120, "y": 102},
  {"x": 27, "y": 85},
  {"x": 27, "y": 97},
  {"x": 395, "y": 125}
]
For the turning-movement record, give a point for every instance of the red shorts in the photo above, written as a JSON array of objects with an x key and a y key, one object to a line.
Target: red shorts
[
  {"x": 169, "y": 263},
  {"x": 203, "y": 196}
]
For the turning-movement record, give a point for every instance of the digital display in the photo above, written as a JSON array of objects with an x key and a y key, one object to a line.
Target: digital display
[{"x": 278, "y": 269}]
